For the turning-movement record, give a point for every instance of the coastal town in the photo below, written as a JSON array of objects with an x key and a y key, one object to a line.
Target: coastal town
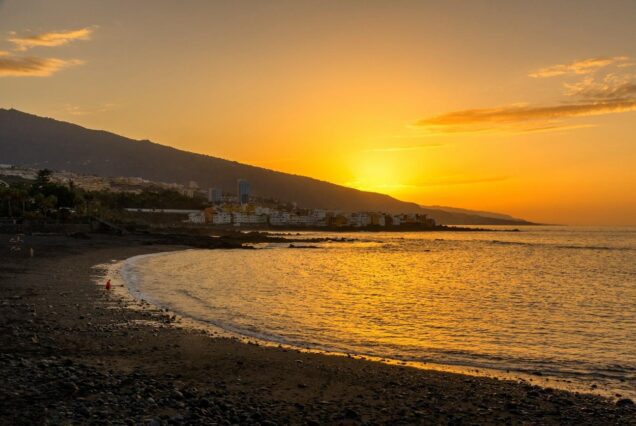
[
  {"x": 242, "y": 209},
  {"x": 219, "y": 208}
]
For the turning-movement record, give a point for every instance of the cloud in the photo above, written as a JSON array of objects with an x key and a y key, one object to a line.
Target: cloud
[
  {"x": 419, "y": 185},
  {"x": 613, "y": 87},
  {"x": 404, "y": 148},
  {"x": 607, "y": 93},
  {"x": 582, "y": 66},
  {"x": 14, "y": 66},
  {"x": 30, "y": 66},
  {"x": 460, "y": 180},
  {"x": 520, "y": 118},
  {"x": 80, "y": 110},
  {"x": 49, "y": 39}
]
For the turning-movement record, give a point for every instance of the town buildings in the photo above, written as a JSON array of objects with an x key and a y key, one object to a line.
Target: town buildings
[
  {"x": 238, "y": 210},
  {"x": 215, "y": 195},
  {"x": 250, "y": 214},
  {"x": 243, "y": 191}
]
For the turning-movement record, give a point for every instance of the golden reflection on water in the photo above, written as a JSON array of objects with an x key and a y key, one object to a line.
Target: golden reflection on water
[{"x": 563, "y": 304}]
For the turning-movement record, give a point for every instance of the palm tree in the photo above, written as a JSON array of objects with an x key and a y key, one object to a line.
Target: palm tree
[
  {"x": 5, "y": 194},
  {"x": 15, "y": 196},
  {"x": 20, "y": 196}
]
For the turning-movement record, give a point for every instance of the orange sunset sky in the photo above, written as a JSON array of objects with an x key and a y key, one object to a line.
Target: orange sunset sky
[{"x": 526, "y": 108}]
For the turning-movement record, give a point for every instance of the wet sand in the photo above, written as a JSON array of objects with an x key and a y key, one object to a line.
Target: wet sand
[{"x": 71, "y": 352}]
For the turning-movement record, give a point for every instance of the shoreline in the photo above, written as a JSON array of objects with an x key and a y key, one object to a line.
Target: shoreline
[
  {"x": 71, "y": 352},
  {"x": 131, "y": 293}
]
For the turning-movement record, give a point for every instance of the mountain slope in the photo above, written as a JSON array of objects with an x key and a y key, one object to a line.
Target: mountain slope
[
  {"x": 457, "y": 216},
  {"x": 467, "y": 217},
  {"x": 43, "y": 142},
  {"x": 38, "y": 142},
  {"x": 473, "y": 212}
]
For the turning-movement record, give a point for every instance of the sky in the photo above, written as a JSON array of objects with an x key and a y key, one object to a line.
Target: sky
[{"x": 526, "y": 108}]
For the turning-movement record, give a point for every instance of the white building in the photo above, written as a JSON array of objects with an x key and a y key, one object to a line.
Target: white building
[
  {"x": 359, "y": 220},
  {"x": 319, "y": 214},
  {"x": 301, "y": 220},
  {"x": 221, "y": 218},
  {"x": 319, "y": 217},
  {"x": 278, "y": 218},
  {"x": 198, "y": 217},
  {"x": 262, "y": 210},
  {"x": 248, "y": 219}
]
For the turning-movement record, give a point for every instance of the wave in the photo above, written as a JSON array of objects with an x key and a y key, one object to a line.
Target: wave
[
  {"x": 561, "y": 246},
  {"x": 574, "y": 370}
]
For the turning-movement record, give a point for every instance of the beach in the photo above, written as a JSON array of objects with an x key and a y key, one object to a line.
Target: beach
[{"x": 72, "y": 352}]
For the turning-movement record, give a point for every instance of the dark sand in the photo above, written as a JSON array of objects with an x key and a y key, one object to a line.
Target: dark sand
[{"x": 70, "y": 352}]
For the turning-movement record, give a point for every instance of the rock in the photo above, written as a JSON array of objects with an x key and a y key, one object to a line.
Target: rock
[
  {"x": 624, "y": 402},
  {"x": 350, "y": 413},
  {"x": 83, "y": 411},
  {"x": 70, "y": 387}
]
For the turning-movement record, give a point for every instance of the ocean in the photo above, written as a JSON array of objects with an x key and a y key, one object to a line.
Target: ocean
[{"x": 554, "y": 305}]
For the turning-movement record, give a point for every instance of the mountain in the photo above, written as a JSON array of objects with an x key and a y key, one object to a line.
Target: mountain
[
  {"x": 474, "y": 212},
  {"x": 38, "y": 142},
  {"x": 456, "y": 216}
]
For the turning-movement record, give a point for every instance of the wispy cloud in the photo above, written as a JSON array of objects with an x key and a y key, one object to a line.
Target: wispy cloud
[
  {"x": 612, "y": 87},
  {"x": 14, "y": 66},
  {"x": 582, "y": 66},
  {"x": 81, "y": 110},
  {"x": 404, "y": 148},
  {"x": 441, "y": 181},
  {"x": 462, "y": 180},
  {"x": 535, "y": 116},
  {"x": 593, "y": 95},
  {"x": 50, "y": 39}
]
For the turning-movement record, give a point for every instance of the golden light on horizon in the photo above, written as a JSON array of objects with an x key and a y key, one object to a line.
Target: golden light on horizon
[
  {"x": 325, "y": 212},
  {"x": 374, "y": 172},
  {"x": 415, "y": 100}
]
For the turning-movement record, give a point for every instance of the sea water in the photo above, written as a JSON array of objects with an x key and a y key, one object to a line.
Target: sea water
[{"x": 552, "y": 302}]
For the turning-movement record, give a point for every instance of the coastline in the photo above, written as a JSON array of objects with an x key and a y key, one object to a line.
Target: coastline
[
  {"x": 71, "y": 352},
  {"x": 125, "y": 286}
]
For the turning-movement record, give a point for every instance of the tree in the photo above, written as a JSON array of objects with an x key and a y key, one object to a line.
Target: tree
[
  {"x": 48, "y": 203},
  {"x": 42, "y": 180},
  {"x": 14, "y": 197},
  {"x": 5, "y": 195}
]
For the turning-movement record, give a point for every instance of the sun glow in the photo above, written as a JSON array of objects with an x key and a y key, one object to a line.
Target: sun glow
[
  {"x": 423, "y": 101},
  {"x": 377, "y": 172}
]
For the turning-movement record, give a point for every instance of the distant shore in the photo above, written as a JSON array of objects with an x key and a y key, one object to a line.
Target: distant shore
[
  {"x": 208, "y": 229},
  {"x": 72, "y": 352},
  {"x": 216, "y": 229}
]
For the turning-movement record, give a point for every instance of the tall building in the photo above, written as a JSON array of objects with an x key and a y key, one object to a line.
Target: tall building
[
  {"x": 243, "y": 191},
  {"x": 215, "y": 195}
]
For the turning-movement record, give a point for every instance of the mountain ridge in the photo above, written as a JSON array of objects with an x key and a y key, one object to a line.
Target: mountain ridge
[{"x": 40, "y": 142}]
